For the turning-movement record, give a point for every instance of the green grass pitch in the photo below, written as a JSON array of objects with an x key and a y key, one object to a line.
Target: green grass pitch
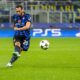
[{"x": 60, "y": 62}]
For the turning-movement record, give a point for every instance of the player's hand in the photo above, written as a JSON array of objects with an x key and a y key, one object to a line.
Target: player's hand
[{"x": 15, "y": 28}]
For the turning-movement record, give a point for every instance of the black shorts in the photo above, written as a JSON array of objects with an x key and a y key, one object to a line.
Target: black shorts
[{"x": 25, "y": 43}]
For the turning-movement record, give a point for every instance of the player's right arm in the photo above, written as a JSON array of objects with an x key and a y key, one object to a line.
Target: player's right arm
[{"x": 14, "y": 20}]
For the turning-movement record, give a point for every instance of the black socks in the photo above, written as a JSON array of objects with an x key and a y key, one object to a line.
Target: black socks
[
  {"x": 15, "y": 57},
  {"x": 17, "y": 49}
]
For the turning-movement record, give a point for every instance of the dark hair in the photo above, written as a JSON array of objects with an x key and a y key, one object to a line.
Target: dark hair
[{"x": 19, "y": 6}]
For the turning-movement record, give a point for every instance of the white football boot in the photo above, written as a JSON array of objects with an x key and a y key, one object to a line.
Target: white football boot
[{"x": 9, "y": 65}]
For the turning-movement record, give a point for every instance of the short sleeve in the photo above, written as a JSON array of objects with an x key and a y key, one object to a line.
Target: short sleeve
[
  {"x": 28, "y": 18},
  {"x": 14, "y": 18}
]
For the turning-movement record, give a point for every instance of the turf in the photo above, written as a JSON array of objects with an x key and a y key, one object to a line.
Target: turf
[{"x": 60, "y": 62}]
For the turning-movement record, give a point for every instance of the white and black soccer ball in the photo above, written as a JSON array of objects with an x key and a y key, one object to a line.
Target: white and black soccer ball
[{"x": 44, "y": 44}]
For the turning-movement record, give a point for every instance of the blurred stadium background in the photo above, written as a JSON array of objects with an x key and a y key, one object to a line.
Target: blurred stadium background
[
  {"x": 50, "y": 19},
  {"x": 60, "y": 18}
]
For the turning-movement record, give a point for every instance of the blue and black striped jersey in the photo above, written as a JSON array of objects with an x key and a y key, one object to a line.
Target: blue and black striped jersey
[{"x": 20, "y": 21}]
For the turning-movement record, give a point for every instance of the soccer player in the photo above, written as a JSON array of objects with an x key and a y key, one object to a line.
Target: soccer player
[{"x": 21, "y": 39}]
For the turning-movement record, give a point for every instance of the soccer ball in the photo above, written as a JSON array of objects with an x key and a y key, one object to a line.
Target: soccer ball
[{"x": 44, "y": 44}]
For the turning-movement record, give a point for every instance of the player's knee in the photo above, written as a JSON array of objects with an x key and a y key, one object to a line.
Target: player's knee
[
  {"x": 17, "y": 44},
  {"x": 25, "y": 46}
]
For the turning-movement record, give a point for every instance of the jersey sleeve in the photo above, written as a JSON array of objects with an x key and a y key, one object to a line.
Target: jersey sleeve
[
  {"x": 14, "y": 18},
  {"x": 28, "y": 18}
]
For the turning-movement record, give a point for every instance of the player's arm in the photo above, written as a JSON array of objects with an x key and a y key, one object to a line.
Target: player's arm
[
  {"x": 14, "y": 20},
  {"x": 27, "y": 26}
]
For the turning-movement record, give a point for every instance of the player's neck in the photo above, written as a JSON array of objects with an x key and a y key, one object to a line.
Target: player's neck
[{"x": 23, "y": 13}]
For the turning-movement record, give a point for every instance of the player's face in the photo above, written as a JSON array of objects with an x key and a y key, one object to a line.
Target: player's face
[{"x": 19, "y": 11}]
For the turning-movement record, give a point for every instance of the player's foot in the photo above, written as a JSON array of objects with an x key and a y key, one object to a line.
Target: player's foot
[
  {"x": 16, "y": 53},
  {"x": 9, "y": 65}
]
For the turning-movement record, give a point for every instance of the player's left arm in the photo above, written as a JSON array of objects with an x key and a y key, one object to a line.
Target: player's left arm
[{"x": 27, "y": 26}]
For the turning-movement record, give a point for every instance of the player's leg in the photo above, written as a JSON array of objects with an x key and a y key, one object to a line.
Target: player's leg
[
  {"x": 17, "y": 48},
  {"x": 16, "y": 53},
  {"x": 25, "y": 45}
]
